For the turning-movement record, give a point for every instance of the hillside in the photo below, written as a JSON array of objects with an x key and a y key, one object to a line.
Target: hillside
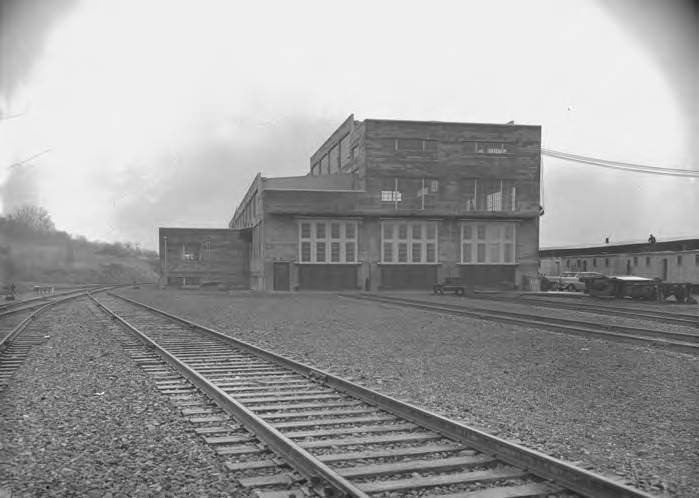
[{"x": 50, "y": 256}]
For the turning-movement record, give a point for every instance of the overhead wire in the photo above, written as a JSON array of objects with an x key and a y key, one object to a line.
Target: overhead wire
[{"x": 622, "y": 166}]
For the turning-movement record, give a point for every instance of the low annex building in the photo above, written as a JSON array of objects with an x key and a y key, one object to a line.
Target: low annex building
[
  {"x": 399, "y": 205},
  {"x": 196, "y": 257},
  {"x": 675, "y": 260}
]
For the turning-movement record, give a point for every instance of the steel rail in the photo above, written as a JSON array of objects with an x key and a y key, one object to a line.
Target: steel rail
[
  {"x": 689, "y": 343},
  {"x": 544, "y": 466},
  {"x": 655, "y": 315},
  {"x": 322, "y": 478},
  {"x": 19, "y": 328}
]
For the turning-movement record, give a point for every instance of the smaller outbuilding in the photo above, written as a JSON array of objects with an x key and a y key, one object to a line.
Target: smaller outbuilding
[
  {"x": 674, "y": 260},
  {"x": 204, "y": 257}
]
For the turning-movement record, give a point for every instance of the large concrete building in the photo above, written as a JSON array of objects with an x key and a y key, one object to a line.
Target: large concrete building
[{"x": 398, "y": 205}]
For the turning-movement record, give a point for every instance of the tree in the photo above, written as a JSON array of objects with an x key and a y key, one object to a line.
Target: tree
[{"x": 34, "y": 218}]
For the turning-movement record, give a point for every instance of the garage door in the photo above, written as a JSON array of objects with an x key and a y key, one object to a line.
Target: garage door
[
  {"x": 488, "y": 275},
  {"x": 327, "y": 277},
  {"x": 408, "y": 276}
]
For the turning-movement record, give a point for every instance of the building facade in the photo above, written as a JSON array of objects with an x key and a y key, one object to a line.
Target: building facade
[
  {"x": 196, "y": 257},
  {"x": 674, "y": 261},
  {"x": 399, "y": 205}
]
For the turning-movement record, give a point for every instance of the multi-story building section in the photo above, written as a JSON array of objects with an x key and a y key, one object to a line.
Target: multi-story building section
[
  {"x": 397, "y": 205},
  {"x": 675, "y": 260},
  {"x": 196, "y": 257}
]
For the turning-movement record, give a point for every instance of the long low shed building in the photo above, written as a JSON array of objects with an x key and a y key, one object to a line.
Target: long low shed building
[
  {"x": 399, "y": 205},
  {"x": 674, "y": 261}
]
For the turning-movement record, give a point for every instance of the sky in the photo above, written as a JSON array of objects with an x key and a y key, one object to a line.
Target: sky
[{"x": 136, "y": 114}]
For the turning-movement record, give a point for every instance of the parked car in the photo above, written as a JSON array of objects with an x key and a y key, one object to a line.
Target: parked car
[{"x": 572, "y": 281}]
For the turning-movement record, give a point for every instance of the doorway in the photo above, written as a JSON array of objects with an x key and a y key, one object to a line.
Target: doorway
[
  {"x": 664, "y": 269},
  {"x": 281, "y": 276}
]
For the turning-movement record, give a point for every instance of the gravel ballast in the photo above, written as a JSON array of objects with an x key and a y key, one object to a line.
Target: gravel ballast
[
  {"x": 80, "y": 419},
  {"x": 618, "y": 409}
]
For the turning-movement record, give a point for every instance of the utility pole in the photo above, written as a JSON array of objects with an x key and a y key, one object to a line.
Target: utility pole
[{"x": 165, "y": 259}]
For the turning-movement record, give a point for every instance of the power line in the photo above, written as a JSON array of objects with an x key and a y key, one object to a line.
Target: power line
[
  {"x": 622, "y": 166},
  {"x": 20, "y": 163}
]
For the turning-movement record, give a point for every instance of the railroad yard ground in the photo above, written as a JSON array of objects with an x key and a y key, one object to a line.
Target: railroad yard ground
[
  {"x": 618, "y": 409},
  {"x": 85, "y": 421}
]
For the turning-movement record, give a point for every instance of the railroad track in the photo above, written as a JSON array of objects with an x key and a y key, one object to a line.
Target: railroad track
[
  {"x": 676, "y": 341},
  {"x": 637, "y": 313},
  {"x": 326, "y": 434},
  {"x": 19, "y": 331}
]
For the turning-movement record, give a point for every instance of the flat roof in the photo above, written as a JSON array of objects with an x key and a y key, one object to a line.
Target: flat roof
[
  {"x": 413, "y": 121},
  {"x": 683, "y": 244}
]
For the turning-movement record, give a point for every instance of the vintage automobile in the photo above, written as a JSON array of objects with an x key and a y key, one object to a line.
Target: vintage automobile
[
  {"x": 572, "y": 281},
  {"x": 451, "y": 284}
]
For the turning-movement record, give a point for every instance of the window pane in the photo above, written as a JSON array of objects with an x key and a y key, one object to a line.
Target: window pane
[
  {"x": 417, "y": 253},
  {"x": 417, "y": 231},
  {"x": 431, "y": 229},
  {"x": 509, "y": 253},
  {"x": 403, "y": 231},
  {"x": 335, "y": 252},
  {"x": 402, "y": 252},
  {"x": 335, "y": 230},
  {"x": 305, "y": 251},
  {"x": 387, "y": 231},
  {"x": 349, "y": 251},
  {"x": 431, "y": 253},
  {"x": 467, "y": 232},
  {"x": 509, "y": 232},
  {"x": 466, "y": 254},
  {"x": 408, "y": 144},
  {"x": 387, "y": 252},
  {"x": 481, "y": 253},
  {"x": 320, "y": 252},
  {"x": 305, "y": 230},
  {"x": 481, "y": 232},
  {"x": 350, "y": 230},
  {"x": 320, "y": 230},
  {"x": 494, "y": 253}
]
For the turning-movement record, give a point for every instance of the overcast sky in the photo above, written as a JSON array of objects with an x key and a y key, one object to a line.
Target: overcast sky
[{"x": 160, "y": 113}]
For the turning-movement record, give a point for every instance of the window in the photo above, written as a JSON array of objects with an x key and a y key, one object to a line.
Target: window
[
  {"x": 647, "y": 260},
  {"x": 606, "y": 261},
  {"x": 355, "y": 152},
  {"x": 635, "y": 260},
  {"x": 408, "y": 144},
  {"x": 391, "y": 196},
  {"x": 323, "y": 241},
  {"x": 344, "y": 151},
  {"x": 567, "y": 263},
  {"x": 412, "y": 242},
  {"x": 324, "y": 165},
  {"x": 696, "y": 259},
  {"x": 594, "y": 262},
  {"x": 490, "y": 148},
  {"x": 334, "y": 166},
  {"x": 679, "y": 260},
  {"x": 488, "y": 243},
  {"x": 191, "y": 252}
]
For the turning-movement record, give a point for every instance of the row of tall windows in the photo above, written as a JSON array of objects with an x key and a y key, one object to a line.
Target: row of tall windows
[
  {"x": 328, "y": 242},
  {"x": 407, "y": 242},
  {"x": 487, "y": 243},
  {"x": 496, "y": 194}
]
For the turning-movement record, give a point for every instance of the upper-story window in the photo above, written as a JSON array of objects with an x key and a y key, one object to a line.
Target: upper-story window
[
  {"x": 191, "y": 252},
  {"x": 324, "y": 165},
  {"x": 327, "y": 242},
  {"x": 413, "y": 145},
  {"x": 488, "y": 243},
  {"x": 490, "y": 148},
  {"x": 409, "y": 242},
  {"x": 334, "y": 159}
]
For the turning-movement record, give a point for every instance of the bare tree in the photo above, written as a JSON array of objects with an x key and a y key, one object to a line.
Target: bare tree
[{"x": 34, "y": 218}]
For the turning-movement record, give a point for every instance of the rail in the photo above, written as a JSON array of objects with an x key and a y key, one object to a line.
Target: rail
[{"x": 538, "y": 464}]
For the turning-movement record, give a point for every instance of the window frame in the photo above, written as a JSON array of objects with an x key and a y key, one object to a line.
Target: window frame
[
  {"x": 405, "y": 246},
  {"x": 487, "y": 243},
  {"x": 327, "y": 240}
]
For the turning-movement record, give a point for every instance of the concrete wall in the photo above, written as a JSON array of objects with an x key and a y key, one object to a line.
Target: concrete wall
[{"x": 223, "y": 256}]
